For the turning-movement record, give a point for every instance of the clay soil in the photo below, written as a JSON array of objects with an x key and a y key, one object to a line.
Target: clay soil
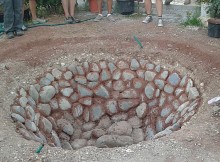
[{"x": 174, "y": 47}]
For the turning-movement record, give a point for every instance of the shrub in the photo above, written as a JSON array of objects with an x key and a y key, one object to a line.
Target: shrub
[
  {"x": 214, "y": 8},
  {"x": 46, "y": 7},
  {"x": 192, "y": 19}
]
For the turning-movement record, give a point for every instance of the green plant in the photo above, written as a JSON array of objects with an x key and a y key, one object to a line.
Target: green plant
[
  {"x": 46, "y": 7},
  {"x": 214, "y": 8},
  {"x": 192, "y": 19}
]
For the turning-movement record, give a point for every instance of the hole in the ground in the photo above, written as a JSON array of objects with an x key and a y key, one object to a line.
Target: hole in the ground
[{"x": 104, "y": 104}]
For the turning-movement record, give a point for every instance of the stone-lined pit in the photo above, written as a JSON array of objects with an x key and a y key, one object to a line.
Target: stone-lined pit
[{"x": 104, "y": 104}]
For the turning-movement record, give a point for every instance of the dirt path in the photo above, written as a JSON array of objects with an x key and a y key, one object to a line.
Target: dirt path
[{"x": 186, "y": 50}]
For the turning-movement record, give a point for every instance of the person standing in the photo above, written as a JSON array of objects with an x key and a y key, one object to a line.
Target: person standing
[
  {"x": 69, "y": 10},
  {"x": 13, "y": 19},
  {"x": 148, "y": 8},
  {"x": 109, "y": 8}
]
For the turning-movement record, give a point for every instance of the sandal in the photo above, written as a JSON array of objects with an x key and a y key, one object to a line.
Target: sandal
[
  {"x": 75, "y": 20},
  {"x": 68, "y": 20},
  {"x": 39, "y": 21}
]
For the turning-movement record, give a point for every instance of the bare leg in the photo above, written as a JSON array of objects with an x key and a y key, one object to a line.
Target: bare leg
[
  {"x": 109, "y": 6},
  {"x": 148, "y": 6},
  {"x": 72, "y": 7},
  {"x": 65, "y": 4},
  {"x": 99, "y": 2},
  {"x": 32, "y": 4},
  {"x": 159, "y": 6}
]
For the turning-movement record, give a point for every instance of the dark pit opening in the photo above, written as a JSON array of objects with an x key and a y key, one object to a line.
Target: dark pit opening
[{"x": 104, "y": 104}]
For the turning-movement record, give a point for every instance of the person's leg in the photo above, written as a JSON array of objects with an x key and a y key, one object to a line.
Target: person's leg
[
  {"x": 109, "y": 16},
  {"x": 148, "y": 7},
  {"x": 33, "y": 5},
  {"x": 23, "y": 10},
  {"x": 18, "y": 17},
  {"x": 9, "y": 18},
  {"x": 65, "y": 4},
  {"x": 72, "y": 7},
  {"x": 99, "y": 3},
  {"x": 159, "y": 6},
  {"x": 24, "y": 28},
  {"x": 109, "y": 3},
  {"x": 99, "y": 16}
]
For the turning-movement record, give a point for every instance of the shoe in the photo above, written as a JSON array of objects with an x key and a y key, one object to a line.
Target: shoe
[
  {"x": 10, "y": 35},
  {"x": 39, "y": 21},
  {"x": 74, "y": 20},
  {"x": 147, "y": 19},
  {"x": 24, "y": 28},
  {"x": 19, "y": 32},
  {"x": 167, "y": 2},
  {"x": 68, "y": 20},
  {"x": 98, "y": 18},
  {"x": 110, "y": 18},
  {"x": 160, "y": 23}
]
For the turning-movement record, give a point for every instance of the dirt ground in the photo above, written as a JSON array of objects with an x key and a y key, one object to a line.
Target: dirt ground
[{"x": 187, "y": 50}]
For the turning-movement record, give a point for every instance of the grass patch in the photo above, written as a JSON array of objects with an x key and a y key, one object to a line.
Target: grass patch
[{"x": 192, "y": 19}]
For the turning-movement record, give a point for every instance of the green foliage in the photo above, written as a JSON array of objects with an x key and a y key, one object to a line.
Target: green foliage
[
  {"x": 49, "y": 6},
  {"x": 214, "y": 8},
  {"x": 192, "y": 20},
  {"x": 46, "y": 7}
]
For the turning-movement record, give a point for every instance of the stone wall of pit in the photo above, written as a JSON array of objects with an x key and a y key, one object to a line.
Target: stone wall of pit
[{"x": 104, "y": 104}]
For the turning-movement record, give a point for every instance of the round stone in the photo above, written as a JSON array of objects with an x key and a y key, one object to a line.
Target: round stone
[
  {"x": 47, "y": 94},
  {"x": 93, "y": 76},
  {"x": 134, "y": 64},
  {"x": 44, "y": 109},
  {"x": 141, "y": 110},
  {"x": 111, "y": 107},
  {"x": 18, "y": 110},
  {"x": 17, "y": 117},
  {"x": 64, "y": 103},
  {"x": 66, "y": 92},
  {"x": 110, "y": 141},
  {"x": 135, "y": 122},
  {"x": 96, "y": 112},
  {"x": 78, "y": 143},
  {"x": 120, "y": 128},
  {"x": 65, "y": 126}
]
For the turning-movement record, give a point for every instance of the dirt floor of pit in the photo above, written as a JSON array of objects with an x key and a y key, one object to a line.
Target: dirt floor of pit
[{"x": 184, "y": 49}]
